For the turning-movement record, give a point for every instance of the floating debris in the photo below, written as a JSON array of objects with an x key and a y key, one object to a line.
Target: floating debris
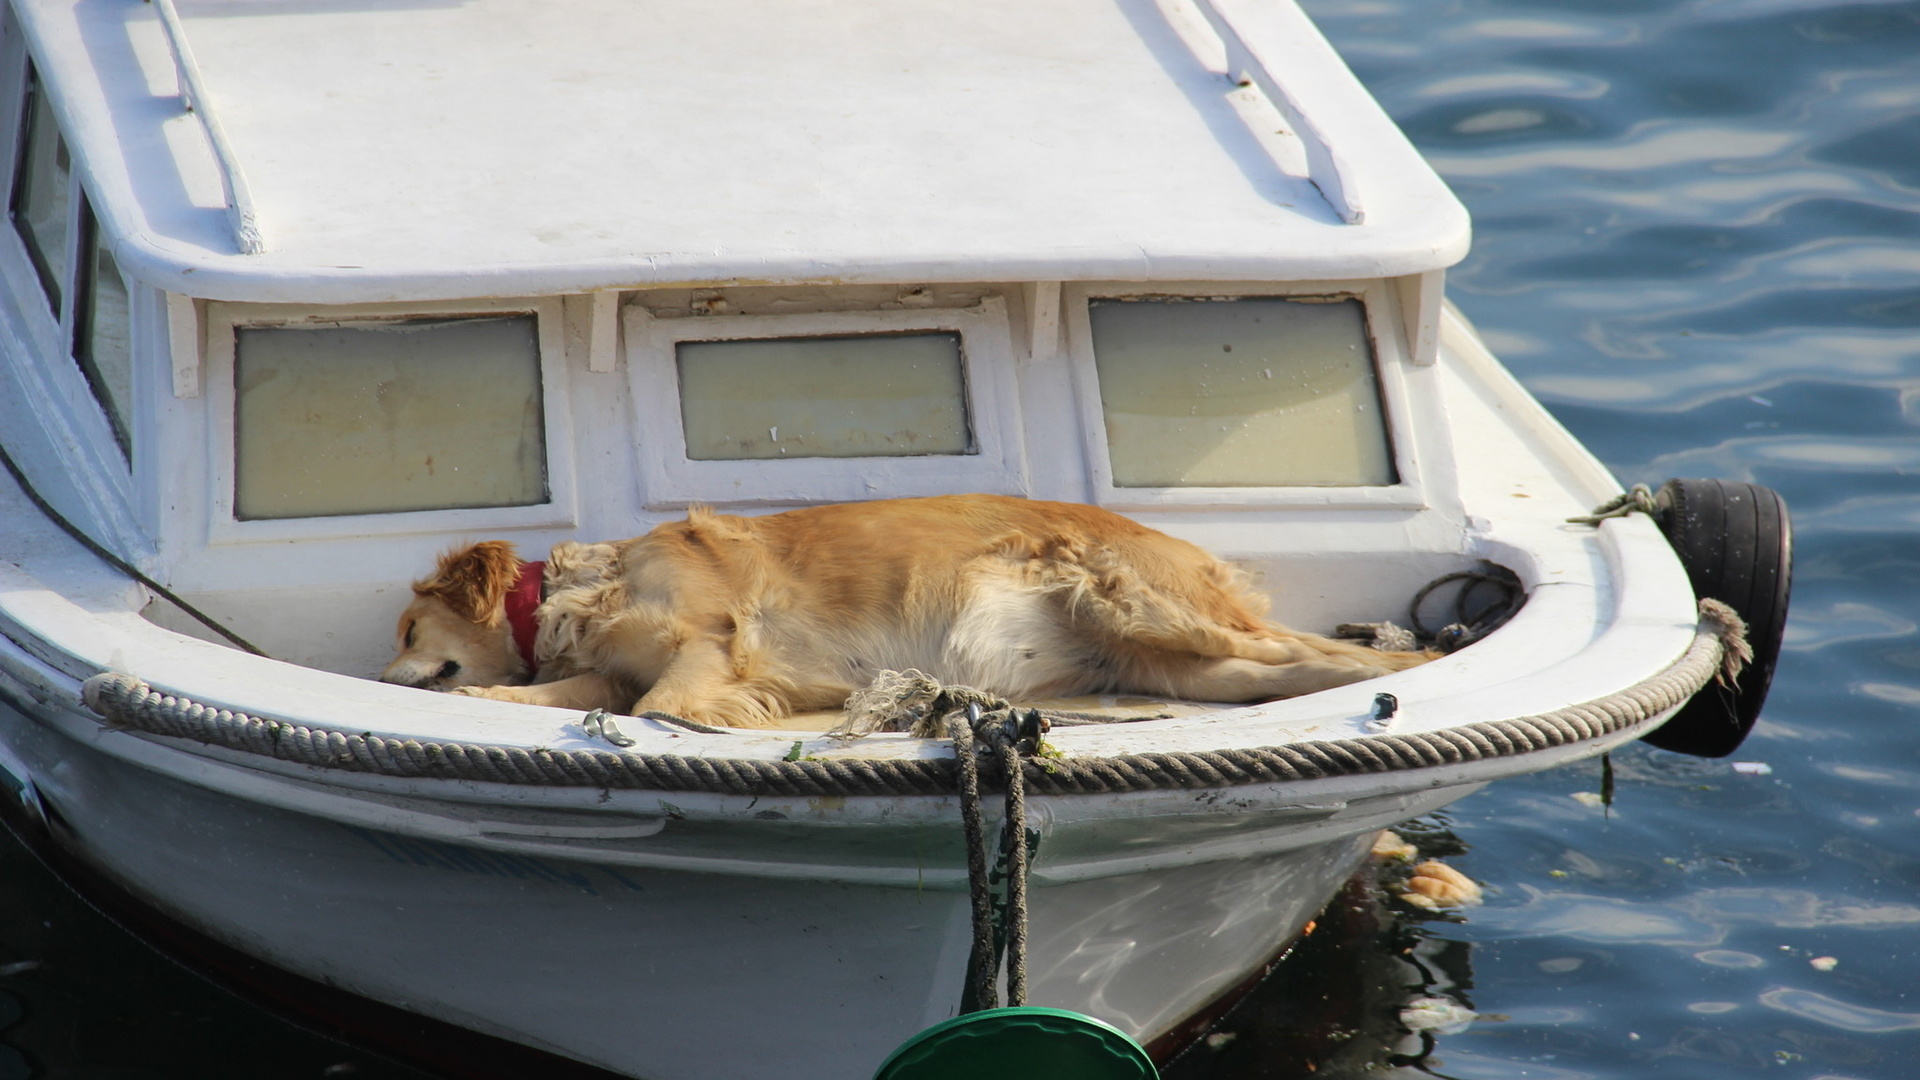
[
  {"x": 1753, "y": 768},
  {"x": 1824, "y": 963},
  {"x": 1442, "y": 1016},
  {"x": 1436, "y": 885},
  {"x": 1390, "y": 846}
]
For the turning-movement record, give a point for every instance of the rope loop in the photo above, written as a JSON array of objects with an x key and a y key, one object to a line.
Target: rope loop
[{"x": 1470, "y": 623}]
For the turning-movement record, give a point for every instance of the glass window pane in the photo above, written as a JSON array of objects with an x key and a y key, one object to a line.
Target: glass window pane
[
  {"x": 381, "y": 418},
  {"x": 41, "y": 189},
  {"x": 1254, "y": 392},
  {"x": 872, "y": 395},
  {"x": 101, "y": 344}
]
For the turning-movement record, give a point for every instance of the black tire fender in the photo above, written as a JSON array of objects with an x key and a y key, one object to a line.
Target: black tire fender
[{"x": 1736, "y": 542}]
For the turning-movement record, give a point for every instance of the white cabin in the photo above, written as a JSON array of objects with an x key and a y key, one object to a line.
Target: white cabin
[{"x": 402, "y": 279}]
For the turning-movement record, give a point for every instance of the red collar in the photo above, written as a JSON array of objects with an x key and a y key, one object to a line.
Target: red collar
[{"x": 522, "y": 599}]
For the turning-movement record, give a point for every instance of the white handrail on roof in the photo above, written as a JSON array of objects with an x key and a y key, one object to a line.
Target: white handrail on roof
[
  {"x": 1325, "y": 167},
  {"x": 246, "y": 226}
]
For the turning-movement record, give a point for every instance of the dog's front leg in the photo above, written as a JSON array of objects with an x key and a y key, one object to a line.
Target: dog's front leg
[{"x": 589, "y": 690}]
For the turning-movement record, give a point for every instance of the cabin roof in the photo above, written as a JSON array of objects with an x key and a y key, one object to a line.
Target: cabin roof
[{"x": 455, "y": 148}]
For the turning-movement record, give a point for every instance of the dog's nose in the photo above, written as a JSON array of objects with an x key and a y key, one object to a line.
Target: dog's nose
[
  {"x": 405, "y": 677},
  {"x": 448, "y": 670}
]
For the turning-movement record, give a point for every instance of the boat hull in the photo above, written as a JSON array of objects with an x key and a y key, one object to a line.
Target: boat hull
[{"x": 652, "y": 971}]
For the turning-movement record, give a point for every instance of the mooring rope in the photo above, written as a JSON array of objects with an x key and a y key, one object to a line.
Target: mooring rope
[
  {"x": 80, "y": 537},
  {"x": 1008, "y": 734},
  {"x": 1013, "y": 841},
  {"x": 127, "y": 702},
  {"x": 983, "y": 961}
]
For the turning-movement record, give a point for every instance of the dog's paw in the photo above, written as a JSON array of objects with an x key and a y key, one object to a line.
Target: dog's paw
[{"x": 492, "y": 693}]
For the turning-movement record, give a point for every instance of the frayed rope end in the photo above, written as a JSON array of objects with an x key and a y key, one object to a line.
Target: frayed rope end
[{"x": 1735, "y": 651}]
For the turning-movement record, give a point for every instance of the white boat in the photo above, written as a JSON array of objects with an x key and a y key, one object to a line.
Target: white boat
[{"x": 296, "y": 295}]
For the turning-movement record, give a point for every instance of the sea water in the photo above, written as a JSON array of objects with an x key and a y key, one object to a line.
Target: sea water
[{"x": 1696, "y": 240}]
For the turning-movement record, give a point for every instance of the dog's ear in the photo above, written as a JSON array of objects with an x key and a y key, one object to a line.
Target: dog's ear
[{"x": 474, "y": 581}]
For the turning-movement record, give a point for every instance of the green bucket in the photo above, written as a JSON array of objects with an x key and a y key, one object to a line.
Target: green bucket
[{"x": 1022, "y": 1043}]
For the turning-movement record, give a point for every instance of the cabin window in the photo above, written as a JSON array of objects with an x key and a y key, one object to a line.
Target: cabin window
[
  {"x": 388, "y": 416},
  {"x": 42, "y": 193},
  {"x": 783, "y": 406},
  {"x": 1239, "y": 392},
  {"x": 874, "y": 395},
  {"x": 102, "y": 345},
  {"x": 71, "y": 263}
]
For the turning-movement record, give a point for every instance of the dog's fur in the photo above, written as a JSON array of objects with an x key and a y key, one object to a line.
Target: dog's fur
[{"x": 746, "y": 620}]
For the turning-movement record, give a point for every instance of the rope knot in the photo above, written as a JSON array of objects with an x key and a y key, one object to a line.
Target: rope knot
[
  {"x": 1637, "y": 499},
  {"x": 911, "y": 701},
  {"x": 1004, "y": 728}
]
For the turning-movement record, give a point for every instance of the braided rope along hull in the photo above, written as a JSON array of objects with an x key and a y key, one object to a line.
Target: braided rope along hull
[{"x": 1719, "y": 643}]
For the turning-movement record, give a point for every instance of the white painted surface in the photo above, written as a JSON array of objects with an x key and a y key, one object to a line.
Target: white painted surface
[{"x": 393, "y": 149}]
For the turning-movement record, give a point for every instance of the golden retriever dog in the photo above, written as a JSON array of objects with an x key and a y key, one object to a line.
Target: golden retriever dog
[{"x": 746, "y": 620}]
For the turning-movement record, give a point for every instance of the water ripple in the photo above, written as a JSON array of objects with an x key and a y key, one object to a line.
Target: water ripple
[
  {"x": 1844, "y": 623},
  {"x": 1832, "y": 1012},
  {"x": 1697, "y": 238},
  {"x": 1657, "y": 145}
]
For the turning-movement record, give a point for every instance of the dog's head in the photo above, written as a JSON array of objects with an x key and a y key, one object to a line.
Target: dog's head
[{"x": 455, "y": 632}]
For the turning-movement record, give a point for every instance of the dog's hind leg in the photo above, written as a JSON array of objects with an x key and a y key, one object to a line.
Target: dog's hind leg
[
  {"x": 1200, "y": 610},
  {"x": 1232, "y": 679}
]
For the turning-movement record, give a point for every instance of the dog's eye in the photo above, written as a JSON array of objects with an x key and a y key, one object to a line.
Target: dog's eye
[
  {"x": 406, "y": 641},
  {"x": 448, "y": 670}
]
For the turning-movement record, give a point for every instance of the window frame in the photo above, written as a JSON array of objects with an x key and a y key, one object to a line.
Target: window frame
[
  {"x": 53, "y": 332},
  {"x": 84, "y": 305},
  {"x": 223, "y": 318},
  {"x": 670, "y": 480},
  {"x": 33, "y": 93},
  {"x": 1390, "y": 362}
]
